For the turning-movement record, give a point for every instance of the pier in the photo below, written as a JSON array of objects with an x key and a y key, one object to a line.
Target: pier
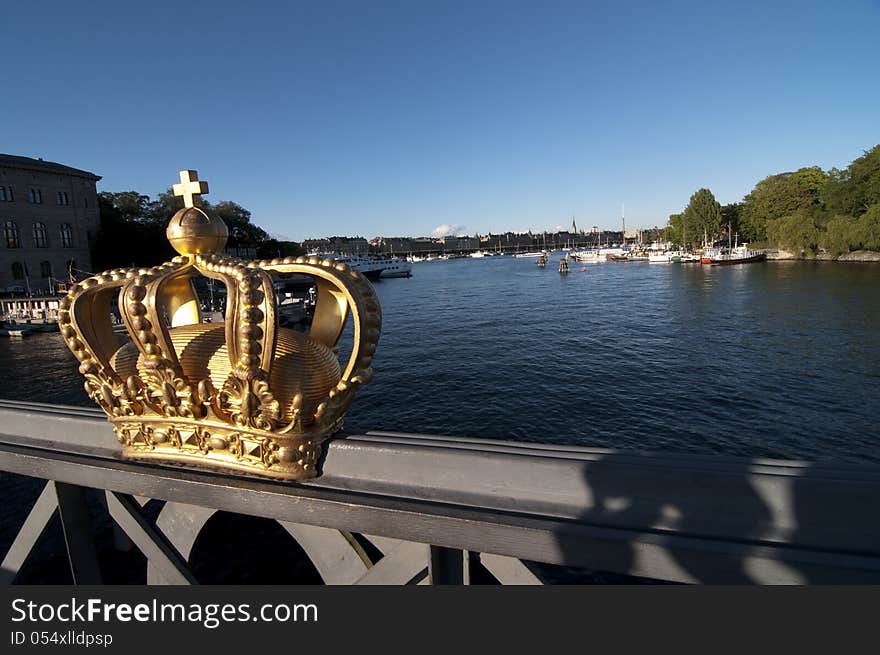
[{"x": 392, "y": 508}]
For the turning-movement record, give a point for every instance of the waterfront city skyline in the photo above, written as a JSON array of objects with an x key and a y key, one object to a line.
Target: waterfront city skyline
[{"x": 397, "y": 120}]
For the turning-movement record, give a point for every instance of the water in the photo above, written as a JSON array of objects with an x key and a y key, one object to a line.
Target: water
[{"x": 765, "y": 360}]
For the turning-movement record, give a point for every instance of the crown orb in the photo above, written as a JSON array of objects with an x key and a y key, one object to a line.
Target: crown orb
[{"x": 191, "y": 231}]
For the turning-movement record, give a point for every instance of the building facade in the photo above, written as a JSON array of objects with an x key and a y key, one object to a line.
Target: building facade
[
  {"x": 49, "y": 219},
  {"x": 342, "y": 245}
]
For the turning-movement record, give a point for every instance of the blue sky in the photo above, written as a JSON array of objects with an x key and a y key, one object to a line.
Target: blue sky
[{"x": 392, "y": 118}]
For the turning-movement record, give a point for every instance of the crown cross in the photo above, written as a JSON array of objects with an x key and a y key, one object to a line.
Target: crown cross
[{"x": 191, "y": 188}]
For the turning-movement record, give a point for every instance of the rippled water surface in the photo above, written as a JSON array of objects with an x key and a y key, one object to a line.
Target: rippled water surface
[{"x": 780, "y": 359}]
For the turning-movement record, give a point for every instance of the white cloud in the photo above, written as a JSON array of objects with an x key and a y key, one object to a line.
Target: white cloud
[{"x": 447, "y": 230}]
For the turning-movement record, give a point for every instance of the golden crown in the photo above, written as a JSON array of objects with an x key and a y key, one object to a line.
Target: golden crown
[{"x": 246, "y": 394}]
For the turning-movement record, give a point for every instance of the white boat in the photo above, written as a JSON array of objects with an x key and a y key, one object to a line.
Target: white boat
[
  {"x": 540, "y": 253},
  {"x": 660, "y": 258},
  {"x": 586, "y": 256},
  {"x": 739, "y": 255},
  {"x": 395, "y": 267},
  {"x": 683, "y": 257},
  {"x": 607, "y": 254},
  {"x": 367, "y": 266}
]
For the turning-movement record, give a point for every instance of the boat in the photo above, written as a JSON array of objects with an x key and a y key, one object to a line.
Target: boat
[
  {"x": 395, "y": 267},
  {"x": 540, "y": 253},
  {"x": 739, "y": 255},
  {"x": 563, "y": 265},
  {"x": 593, "y": 256},
  {"x": 626, "y": 256},
  {"x": 710, "y": 254},
  {"x": 16, "y": 329},
  {"x": 542, "y": 261},
  {"x": 660, "y": 258},
  {"x": 368, "y": 267},
  {"x": 736, "y": 254}
]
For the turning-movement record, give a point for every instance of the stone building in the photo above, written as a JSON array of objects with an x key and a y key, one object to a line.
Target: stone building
[{"x": 49, "y": 219}]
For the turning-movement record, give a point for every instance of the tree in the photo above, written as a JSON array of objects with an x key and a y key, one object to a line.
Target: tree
[
  {"x": 165, "y": 206},
  {"x": 778, "y": 196},
  {"x": 702, "y": 216},
  {"x": 126, "y": 205},
  {"x": 133, "y": 229},
  {"x": 128, "y": 236},
  {"x": 242, "y": 232},
  {"x": 854, "y": 190},
  {"x": 804, "y": 210},
  {"x": 797, "y": 232},
  {"x": 675, "y": 233},
  {"x": 868, "y": 228},
  {"x": 730, "y": 214},
  {"x": 840, "y": 235}
]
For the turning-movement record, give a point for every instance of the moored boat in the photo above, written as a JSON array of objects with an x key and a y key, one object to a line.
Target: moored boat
[
  {"x": 709, "y": 255},
  {"x": 739, "y": 255}
]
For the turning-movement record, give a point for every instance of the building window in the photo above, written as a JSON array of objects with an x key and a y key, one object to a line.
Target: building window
[
  {"x": 40, "y": 238},
  {"x": 63, "y": 198},
  {"x": 66, "y": 235},
  {"x": 6, "y": 194},
  {"x": 12, "y": 240},
  {"x": 17, "y": 271},
  {"x": 36, "y": 196},
  {"x": 45, "y": 269}
]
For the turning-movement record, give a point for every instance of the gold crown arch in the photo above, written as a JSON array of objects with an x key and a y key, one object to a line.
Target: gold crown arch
[{"x": 246, "y": 394}]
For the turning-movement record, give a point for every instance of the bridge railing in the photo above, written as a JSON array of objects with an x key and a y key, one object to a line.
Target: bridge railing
[{"x": 395, "y": 508}]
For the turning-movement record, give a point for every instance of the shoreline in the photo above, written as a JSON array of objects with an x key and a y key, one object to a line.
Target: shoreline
[{"x": 855, "y": 256}]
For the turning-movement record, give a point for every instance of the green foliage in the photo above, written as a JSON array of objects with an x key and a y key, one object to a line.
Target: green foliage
[
  {"x": 868, "y": 228},
  {"x": 133, "y": 226},
  {"x": 778, "y": 196},
  {"x": 702, "y": 216},
  {"x": 845, "y": 233},
  {"x": 166, "y": 205},
  {"x": 674, "y": 233},
  {"x": 797, "y": 232},
  {"x": 854, "y": 190},
  {"x": 730, "y": 217},
  {"x": 805, "y": 211},
  {"x": 242, "y": 232},
  {"x": 840, "y": 235}
]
